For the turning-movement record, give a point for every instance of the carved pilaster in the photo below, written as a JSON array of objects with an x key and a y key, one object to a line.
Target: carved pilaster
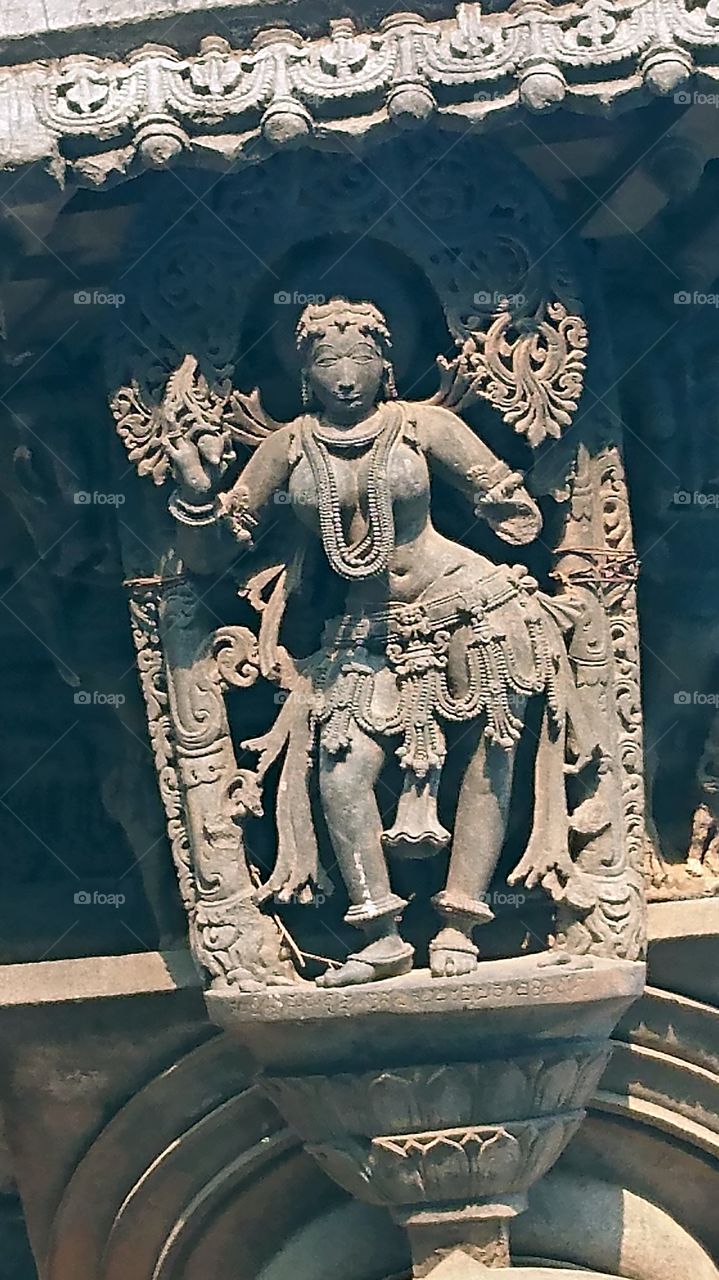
[{"x": 205, "y": 795}]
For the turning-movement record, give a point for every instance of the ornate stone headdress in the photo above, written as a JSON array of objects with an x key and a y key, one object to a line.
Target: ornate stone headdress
[{"x": 318, "y": 319}]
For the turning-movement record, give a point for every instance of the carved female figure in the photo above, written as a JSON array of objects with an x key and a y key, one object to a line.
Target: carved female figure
[{"x": 431, "y": 633}]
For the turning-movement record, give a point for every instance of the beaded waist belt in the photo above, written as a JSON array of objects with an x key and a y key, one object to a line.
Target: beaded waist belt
[{"x": 398, "y": 618}]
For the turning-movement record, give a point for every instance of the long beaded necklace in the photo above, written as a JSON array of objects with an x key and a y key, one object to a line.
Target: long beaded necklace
[{"x": 371, "y": 554}]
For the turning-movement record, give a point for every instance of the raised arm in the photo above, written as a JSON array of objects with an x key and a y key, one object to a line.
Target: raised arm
[
  {"x": 266, "y": 472},
  {"x": 464, "y": 461},
  {"x": 206, "y": 518}
]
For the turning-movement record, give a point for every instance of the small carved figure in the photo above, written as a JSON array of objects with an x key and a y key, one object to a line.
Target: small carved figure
[
  {"x": 696, "y": 874},
  {"x": 432, "y": 633}
]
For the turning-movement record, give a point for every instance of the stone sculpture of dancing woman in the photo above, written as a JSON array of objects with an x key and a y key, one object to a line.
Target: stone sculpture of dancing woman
[{"x": 431, "y": 633}]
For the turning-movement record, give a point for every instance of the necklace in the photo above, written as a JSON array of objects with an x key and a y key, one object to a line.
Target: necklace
[
  {"x": 345, "y": 439},
  {"x": 371, "y": 554}
]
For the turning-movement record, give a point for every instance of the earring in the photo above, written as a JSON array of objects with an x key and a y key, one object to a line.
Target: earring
[
  {"x": 390, "y": 388},
  {"x": 305, "y": 389}
]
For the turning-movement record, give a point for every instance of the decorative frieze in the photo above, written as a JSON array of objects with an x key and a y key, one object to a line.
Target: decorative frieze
[{"x": 284, "y": 89}]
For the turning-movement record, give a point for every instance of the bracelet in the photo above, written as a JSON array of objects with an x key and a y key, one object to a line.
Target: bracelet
[
  {"x": 194, "y": 514},
  {"x": 487, "y": 478}
]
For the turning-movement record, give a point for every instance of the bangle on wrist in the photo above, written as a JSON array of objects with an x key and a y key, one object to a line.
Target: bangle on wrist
[
  {"x": 486, "y": 478},
  {"x": 193, "y": 513}
]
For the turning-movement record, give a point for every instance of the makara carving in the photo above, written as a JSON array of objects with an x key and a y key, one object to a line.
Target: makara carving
[{"x": 433, "y": 642}]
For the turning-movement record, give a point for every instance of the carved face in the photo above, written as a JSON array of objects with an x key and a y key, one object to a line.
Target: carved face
[{"x": 345, "y": 372}]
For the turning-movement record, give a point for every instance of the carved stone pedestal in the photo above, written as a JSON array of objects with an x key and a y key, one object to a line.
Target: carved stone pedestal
[{"x": 443, "y": 1100}]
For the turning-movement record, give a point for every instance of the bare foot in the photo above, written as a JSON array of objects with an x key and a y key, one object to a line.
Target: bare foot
[
  {"x": 385, "y": 958},
  {"x": 452, "y": 954},
  {"x": 349, "y": 974}
]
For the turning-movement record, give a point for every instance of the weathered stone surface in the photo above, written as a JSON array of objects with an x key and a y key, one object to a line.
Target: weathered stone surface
[
  {"x": 65, "y": 981},
  {"x": 459, "y": 1112},
  {"x": 603, "y": 1228},
  {"x": 292, "y": 87},
  {"x": 66, "y": 1069},
  {"x": 432, "y": 634},
  {"x": 135, "y": 1157},
  {"x": 676, "y": 1183},
  {"x": 679, "y": 964},
  {"x": 501, "y": 996}
]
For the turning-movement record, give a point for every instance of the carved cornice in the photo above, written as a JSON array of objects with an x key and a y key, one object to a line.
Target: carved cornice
[{"x": 283, "y": 89}]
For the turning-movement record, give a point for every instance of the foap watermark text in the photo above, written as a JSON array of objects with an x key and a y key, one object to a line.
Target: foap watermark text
[
  {"x": 695, "y": 98},
  {"x": 86, "y": 898},
  {"x": 695, "y": 698},
  {"x": 695, "y": 298},
  {"x": 97, "y": 298},
  {"x": 83, "y": 498},
  {"x": 696, "y": 498},
  {"x": 498, "y": 300},
  {"x": 95, "y": 698},
  {"x": 287, "y": 298}
]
